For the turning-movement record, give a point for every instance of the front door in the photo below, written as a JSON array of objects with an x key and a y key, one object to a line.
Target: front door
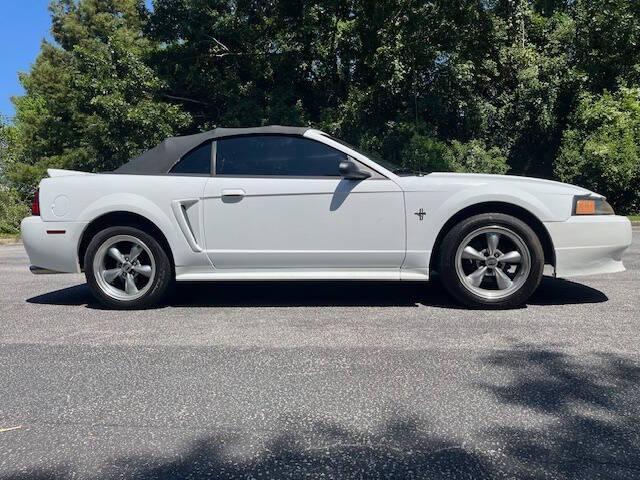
[{"x": 279, "y": 202}]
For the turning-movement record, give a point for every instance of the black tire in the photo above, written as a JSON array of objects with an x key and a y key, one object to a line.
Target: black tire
[
  {"x": 157, "y": 286},
  {"x": 454, "y": 284}
]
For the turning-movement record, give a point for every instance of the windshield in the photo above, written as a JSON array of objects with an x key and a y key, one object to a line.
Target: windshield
[{"x": 392, "y": 167}]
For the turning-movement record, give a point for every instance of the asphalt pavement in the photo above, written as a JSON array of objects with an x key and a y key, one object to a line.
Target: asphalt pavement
[{"x": 319, "y": 380}]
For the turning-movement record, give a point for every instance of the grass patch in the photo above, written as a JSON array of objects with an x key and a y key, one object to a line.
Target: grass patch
[
  {"x": 9, "y": 238},
  {"x": 634, "y": 218}
]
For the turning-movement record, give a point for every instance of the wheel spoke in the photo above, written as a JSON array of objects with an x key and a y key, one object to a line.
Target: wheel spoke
[
  {"x": 492, "y": 242},
  {"x": 502, "y": 279},
  {"x": 129, "y": 285},
  {"x": 116, "y": 255},
  {"x": 510, "y": 257},
  {"x": 471, "y": 253},
  {"x": 476, "y": 277},
  {"x": 136, "y": 250},
  {"x": 143, "y": 270},
  {"x": 111, "y": 274}
]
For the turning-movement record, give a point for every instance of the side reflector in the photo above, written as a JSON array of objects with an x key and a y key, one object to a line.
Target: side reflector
[{"x": 56, "y": 232}]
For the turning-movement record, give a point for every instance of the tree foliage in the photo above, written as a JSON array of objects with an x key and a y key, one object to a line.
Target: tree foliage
[
  {"x": 462, "y": 85},
  {"x": 601, "y": 148},
  {"x": 92, "y": 99}
]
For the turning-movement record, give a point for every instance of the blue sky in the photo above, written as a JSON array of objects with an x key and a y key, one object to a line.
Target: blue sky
[{"x": 23, "y": 25}]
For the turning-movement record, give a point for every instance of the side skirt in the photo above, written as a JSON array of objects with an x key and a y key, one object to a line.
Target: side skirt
[{"x": 187, "y": 274}]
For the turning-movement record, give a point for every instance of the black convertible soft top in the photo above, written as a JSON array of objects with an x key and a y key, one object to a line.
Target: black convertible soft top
[{"x": 159, "y": 160}]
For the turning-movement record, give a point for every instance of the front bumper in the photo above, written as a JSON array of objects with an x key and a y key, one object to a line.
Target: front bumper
[
  {"x": 590, "y": 245},
  {"x": 52, "y": 246}
]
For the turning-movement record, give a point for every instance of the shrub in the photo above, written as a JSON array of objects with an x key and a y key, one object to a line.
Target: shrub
[
  {"x": 475, "y": 157},
  {"x": 431, "y": 155},
  {"x": 12, "y": 211},
  {"x": 410, "y": 146}
]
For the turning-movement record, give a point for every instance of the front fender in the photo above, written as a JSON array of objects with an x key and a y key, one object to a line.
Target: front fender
[
  {"x": 520, "y": 198},
  {"x": 442, "y": 205}
]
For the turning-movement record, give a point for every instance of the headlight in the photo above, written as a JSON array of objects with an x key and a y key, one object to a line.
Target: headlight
[{"x": 588, "y": 205}]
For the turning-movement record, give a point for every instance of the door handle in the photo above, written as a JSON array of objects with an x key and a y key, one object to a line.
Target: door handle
[{"x": 233, "y": 193}]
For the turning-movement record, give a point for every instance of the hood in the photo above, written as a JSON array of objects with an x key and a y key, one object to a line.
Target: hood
[{"x": 442, "y": 181}]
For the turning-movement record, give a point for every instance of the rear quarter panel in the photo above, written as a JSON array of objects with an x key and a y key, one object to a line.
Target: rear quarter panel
[{"x": 87, "y": 197}]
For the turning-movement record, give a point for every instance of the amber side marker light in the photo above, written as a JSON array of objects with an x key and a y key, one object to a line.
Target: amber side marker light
[
  {"x": 586, "y": 207},
  {"x": 591, "y": 206}
]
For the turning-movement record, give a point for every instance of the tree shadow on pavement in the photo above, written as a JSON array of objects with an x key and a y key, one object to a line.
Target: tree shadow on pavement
[
  {"x": 315, "y": 294},
  {"x": 561, "y": 416},
  {"x": 402, "y": 449},
  {"x": 592, "y": 409}
]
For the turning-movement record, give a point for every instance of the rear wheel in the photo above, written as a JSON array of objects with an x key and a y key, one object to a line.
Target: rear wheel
[
  {"x": 491, "y": 260},
  {"x": 127, "y": 268}
]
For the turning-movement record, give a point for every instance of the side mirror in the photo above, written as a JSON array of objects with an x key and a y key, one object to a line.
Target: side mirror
[{"x": 350, "y": 171}]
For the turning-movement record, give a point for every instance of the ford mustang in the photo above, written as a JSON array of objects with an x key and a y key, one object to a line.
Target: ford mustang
[{"x": 286, "y": 203}]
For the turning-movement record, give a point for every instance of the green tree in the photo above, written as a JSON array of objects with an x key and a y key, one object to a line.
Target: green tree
[
  {"x": 601, "y": 148},
  {"x": 607, "y": 43},
  {"x": 92, "y": 101},
  {"x": 461, "y": 85}
]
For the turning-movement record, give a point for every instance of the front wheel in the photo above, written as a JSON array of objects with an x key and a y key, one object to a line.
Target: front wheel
[
  {"x": 491, "y": 260},
  {"x": 127, "y": 268}
]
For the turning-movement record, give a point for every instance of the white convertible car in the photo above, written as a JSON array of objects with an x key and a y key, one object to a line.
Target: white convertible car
[{"x": 284, "y": 203}]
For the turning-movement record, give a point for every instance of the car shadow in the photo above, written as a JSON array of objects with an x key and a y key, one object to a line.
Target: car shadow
[
  {"x": 558, "y": 291},
  {"x": 325, "y": 294}
]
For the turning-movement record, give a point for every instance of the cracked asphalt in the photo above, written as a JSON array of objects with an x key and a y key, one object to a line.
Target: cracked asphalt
[{"x": 319, "y": 380}]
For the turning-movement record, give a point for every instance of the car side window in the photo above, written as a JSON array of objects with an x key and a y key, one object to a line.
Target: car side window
[
  {"x": 277, "y": 155},
  {"x": 196, "y": 162}
]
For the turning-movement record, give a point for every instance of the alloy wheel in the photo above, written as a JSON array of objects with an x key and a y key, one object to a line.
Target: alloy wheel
[
  {"x": 124, "y": 267},
  {"x": 493, "y": 262}
]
